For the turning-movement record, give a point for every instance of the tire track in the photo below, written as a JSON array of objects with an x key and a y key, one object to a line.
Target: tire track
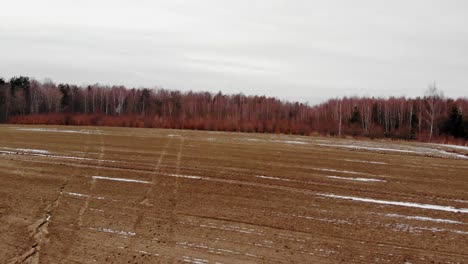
[
  {"x": 85, "y": 206},
  {"x": 148, "y": 198},
  {"x": 172, "y": 221},
  {"x": 40, "y": 228},
  {"x": 376, "y": 244},
  {"x": 149, "y": 192}
]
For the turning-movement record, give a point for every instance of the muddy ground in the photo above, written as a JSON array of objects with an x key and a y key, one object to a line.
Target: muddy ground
[{"x": 125, "y": 195}]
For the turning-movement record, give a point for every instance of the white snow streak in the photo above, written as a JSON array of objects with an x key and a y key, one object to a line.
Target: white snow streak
[
  {"x": 118, "y": 232},
  {"x": 365, "y": 161},
  {"x": 291, "y": 142},
  {"x": 119, "y": 179},
  {"x": 8, "y": 152},
  {"x": 366, "y": 148},
  {"x": 77, "y": 194},
  {"x": 272, "y": 178},
  {"x": 405, "y": 204},
  {"x": 356, "y": 179},
  {"x": 409, "y": 149},
  {"x": 40, "y": 151},
  {"x": 456, "y": 155},
  {"x": 36, "y": 151},
  {"x": 187, "y": 176},
  {"x": 342, "y": 171},
  {"x": 82, "y": 131},
  {"x": 45, "y": 153},
  {"x": 454, "y": 146},
  {"x": 423, "y": 218},
  {"x": 418, "y": 229},
  {"x": 194, "y": 260}
]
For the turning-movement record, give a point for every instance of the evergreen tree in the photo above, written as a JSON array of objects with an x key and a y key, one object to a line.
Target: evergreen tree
[{"x": 355, "y": 116}]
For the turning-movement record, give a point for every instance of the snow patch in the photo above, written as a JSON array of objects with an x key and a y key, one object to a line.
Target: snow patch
[
  {"x": 112, "y": 231},
  {"x": 365, "y": 161},
  {"x": 7, "y": 152},
  {"x": 356, "y": 179},
  {"x": 366, "y": 148},
  {"x": 342, "y": 171},
  {"x": 296, "y": 142},
  {"x": 419, "y": 229},
  {"x": 402, "y": 149},
  {"x": 405, "y": 204},
  {"x": 45, "y": 153},
  {"x": 77, "y": 194},
  {"x": 187, "y": 176},
  {"x": 272, "y": 178},
  {"x": 119, "y": 179},
  {"x": 454, "y": 146},
  {"x": 194, "y": 260},
  {"x": 210, "y": 249},
  {"x": 82, "y": 131},
  {"x": 253, "y": 139},
  {"x": 291, "y": 142},
  {"x": 423, "y": 218},
  {"x": 37, "y": 151},
  {"x": 455, "y": 155}
]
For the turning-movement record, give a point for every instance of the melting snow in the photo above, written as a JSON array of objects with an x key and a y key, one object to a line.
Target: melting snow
[
  {"x": 37, "y": 151},
  {"x": 456, "y": 155},
  {"x": 277, "y": 141},
  {"x": 187, "y": 176},
  {"x": 118, "y": 179},
  {"x": 7, "y": 152},
  {"x": 407, "y": 149},
  {"x": 118, "y": 232},
  {"x": 454, "y": 146},
  {"x": 82, "y": 131},
  {"x": 418, "y": 229},
  {"x": 253, "y": 139},
  {"x": 194, "y": 260},
  {"x": 210, "y": 249},
  {"x": 272, "y": 178},
  {"x": 356, "y": 179},
  {"x": 328, "y": 220},
  {"x": 86, "y": 195},
  {"x": 64, "y": 157},
  {"x": 45, "y": 153},
  {"x": 77, "y": 194},
  {"x": 367, "y": 148},
  {"x": 405, "y": 204},
  {"x": 291, "y": 142},
  {"x": 365, "y": 161},
  {"x": 423, "y": 218},
  {"x": 77, "y": 158},
  {"x": 342, "y": 171}
]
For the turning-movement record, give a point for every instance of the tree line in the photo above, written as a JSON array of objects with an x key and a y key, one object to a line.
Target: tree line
[{"x": 28, "y": 101}]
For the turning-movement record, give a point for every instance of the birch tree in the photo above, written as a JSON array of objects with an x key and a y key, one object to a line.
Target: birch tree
[{"x": 432, "y": 96}]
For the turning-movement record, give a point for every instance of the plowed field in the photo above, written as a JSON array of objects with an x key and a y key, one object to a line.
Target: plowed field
[{"x": 124, "y": 195}]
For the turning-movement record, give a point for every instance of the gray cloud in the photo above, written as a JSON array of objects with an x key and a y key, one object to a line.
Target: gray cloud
[{"x": 298, "y": 50}]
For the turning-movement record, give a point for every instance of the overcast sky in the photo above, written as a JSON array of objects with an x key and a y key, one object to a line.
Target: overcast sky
[{"x": 292, "y": 49}]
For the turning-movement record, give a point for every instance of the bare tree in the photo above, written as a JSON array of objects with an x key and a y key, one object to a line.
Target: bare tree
[
  {"x": 339, "y": 120},
  {"x": 432, "y": 97}
]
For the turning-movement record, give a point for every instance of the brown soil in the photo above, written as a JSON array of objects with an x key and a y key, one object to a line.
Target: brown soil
[{"x": 165, "y": 196}]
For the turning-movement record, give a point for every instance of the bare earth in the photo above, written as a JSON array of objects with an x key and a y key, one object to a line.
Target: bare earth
[{"x": 121, "y": 195}]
